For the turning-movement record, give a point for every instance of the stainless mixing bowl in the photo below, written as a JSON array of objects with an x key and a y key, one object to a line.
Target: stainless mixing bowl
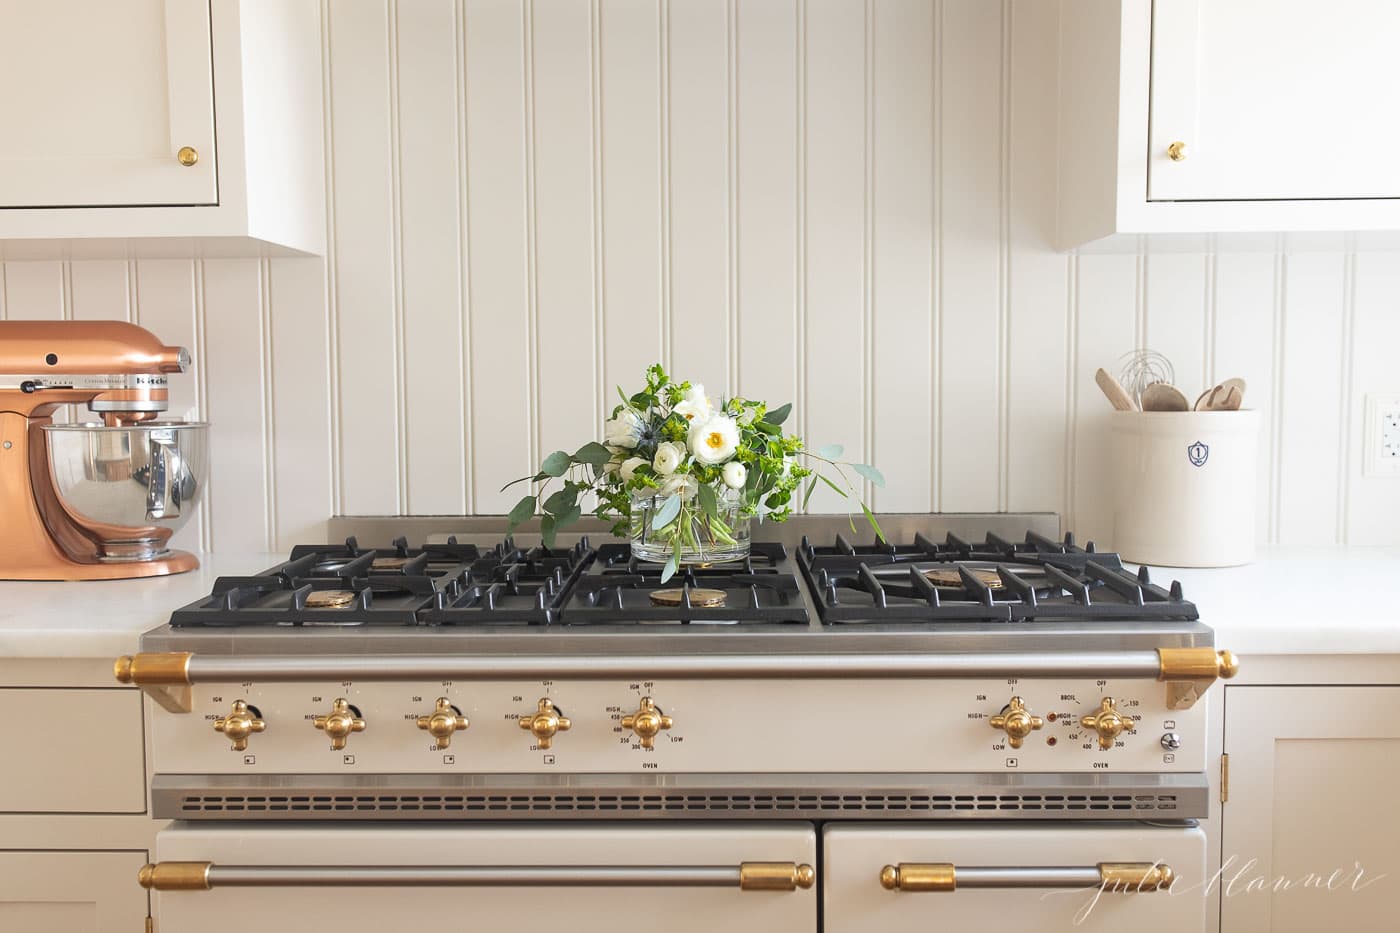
[{"x": 128, "y": 488}]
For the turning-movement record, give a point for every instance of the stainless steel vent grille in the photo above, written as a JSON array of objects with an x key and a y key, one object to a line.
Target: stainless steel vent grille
[{"x": 467, "y": 806}]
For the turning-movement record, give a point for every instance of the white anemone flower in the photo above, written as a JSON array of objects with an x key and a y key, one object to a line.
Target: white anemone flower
[
  {"x": 680, "y": 484},
  {"x": 695, "y": 407},
  {"x": 714, "y": 441},
  {"x": 623, "y": 431},
  {"x": 669, "y": 456},
  {"x": 734, "y": 474}
]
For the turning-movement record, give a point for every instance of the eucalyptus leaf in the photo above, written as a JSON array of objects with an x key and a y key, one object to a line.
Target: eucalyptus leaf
[
  {"x": 869, "y": 472},
  {"x": 831, "y": 451},
  {"x": 667, "y": 513},
  {"x": 671, "y": 567},
  {"x": 870, "y": 517},
  {"x": 839, "y": 491},
  {"x": 766, "y": 428},
  {"x": 779, "y": 414},
  {"x": 556, "y": 464},
  {"x": 567, "y": 517},
  {"x": 593, "y": 454},
  {"x": 548, "y": 530},
  {"x": 709, "y": 502},
  {"x": 561, "y": 501},
  {"x": 522, "y": 512},
  {"x": 811, "y": 487}
]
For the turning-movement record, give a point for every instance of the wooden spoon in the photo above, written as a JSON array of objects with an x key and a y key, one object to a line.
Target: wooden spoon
[
  {"x": 1162, "y": 396},
  {"x": 1118, "y": 396}
]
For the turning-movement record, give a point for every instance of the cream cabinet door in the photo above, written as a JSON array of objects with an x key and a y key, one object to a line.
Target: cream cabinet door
[
  {"x": 71, "y": 892},
  {"x": 1290, "y": 99},
  {"x": 1309, "y": 830},
  {"x": 100, "y": 97}
]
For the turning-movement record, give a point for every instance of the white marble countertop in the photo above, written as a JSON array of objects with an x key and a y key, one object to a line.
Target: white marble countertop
[
  {"x": 1290, "y": 601},
  {"x": 105, "y": 618}
]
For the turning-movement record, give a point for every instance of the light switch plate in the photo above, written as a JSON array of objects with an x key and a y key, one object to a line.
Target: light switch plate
[{"x": 1381, "y": 449}]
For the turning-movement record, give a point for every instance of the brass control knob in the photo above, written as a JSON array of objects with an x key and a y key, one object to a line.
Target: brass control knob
[
  {"x": 445, "y": 720},
  {"x": 1108, "y": 723},
  {"x": 545, "y": 723},
  {"x": 1177, "y": 152},
  {"x": 647, "y": 722},
  {"x": 242, "y": 721},
  {"x": 343, "y": 720},
  {"x": 1017, "y": 722}
]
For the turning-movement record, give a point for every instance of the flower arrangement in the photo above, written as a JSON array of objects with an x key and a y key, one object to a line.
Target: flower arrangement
[{"x": 682, "y": 477}]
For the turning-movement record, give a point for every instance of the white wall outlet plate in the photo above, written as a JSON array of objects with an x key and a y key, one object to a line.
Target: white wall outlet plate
[{"x": 1381, "y": 449}]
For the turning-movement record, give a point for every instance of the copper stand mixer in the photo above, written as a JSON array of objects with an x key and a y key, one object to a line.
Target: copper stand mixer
[{"x": 96, "y": 501}]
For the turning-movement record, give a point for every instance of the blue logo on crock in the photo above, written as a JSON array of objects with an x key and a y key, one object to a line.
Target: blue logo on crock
[{"x": 1198, "y": 453}]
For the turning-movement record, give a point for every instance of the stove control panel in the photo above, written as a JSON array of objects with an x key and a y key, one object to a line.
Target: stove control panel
[{"x": 695, "y": 726}]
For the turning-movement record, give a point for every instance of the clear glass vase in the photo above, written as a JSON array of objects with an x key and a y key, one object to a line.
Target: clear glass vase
[{"x": 703, "y": 540}]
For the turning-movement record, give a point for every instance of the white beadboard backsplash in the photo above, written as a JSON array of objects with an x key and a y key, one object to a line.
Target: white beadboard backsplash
[{"x": 844, "y": 204}]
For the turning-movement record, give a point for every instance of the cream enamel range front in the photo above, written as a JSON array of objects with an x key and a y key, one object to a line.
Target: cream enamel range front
[{"x": 914, "y": 731}]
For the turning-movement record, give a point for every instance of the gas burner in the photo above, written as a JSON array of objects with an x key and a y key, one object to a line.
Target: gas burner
[
  {"x": 693, "y": 596},
  {"x": 315, "y": 601},
  {"x": 445, "y": 564},
  {"x": 990, "y": 581}
]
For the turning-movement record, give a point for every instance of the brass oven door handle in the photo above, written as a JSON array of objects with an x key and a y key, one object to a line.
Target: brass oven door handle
[
  {"x": 1187, "y": 672},
  {"x": 1116, "y": 877},
  {"x": 746, "y": 876}
]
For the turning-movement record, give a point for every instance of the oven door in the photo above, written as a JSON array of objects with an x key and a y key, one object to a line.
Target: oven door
[
  {"x": 740, "y": 879},
  {"x": 913, "y": 878}
]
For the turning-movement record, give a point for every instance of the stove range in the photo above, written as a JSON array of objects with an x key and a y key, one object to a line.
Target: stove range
[{"x": 932, "y": 671}]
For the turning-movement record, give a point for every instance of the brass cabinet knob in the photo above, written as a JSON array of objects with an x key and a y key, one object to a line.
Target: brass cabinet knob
[
  {"x": 1107, "y": 722},
  {"x": 1017, "y": 722},
  {"x": 647, "y": 722},
  {"x": 188, "y": 155},
  {"x": 545, "y": 723},
  {"x": 1177, "y": 152},
  {"x": 242, "y": 721},
  {"x": 445, "y": 720},
  {"x": 343, "y": 720}
]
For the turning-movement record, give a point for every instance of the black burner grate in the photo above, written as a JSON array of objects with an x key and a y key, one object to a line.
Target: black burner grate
[{"x": 994, "y": 580}]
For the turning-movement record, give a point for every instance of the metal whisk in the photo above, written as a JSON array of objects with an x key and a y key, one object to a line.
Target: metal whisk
[{"x": 1141, "y": 368}]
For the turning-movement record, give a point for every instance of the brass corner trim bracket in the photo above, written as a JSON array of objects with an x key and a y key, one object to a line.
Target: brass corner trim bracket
[
  {"x": 915, "y": 876},
  {"x": 1136, "y": 876},
  {"x": 175, "y": 876},
  {"x": 153, "y": 669},
  {"x": 775, "y": 876},
  {"x": 1189, "y": 672}
]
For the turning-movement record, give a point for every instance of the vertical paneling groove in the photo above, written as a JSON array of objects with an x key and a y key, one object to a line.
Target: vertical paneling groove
[
  {"x": 133, "y": 293},
  {"x": 1344, "y": 414},
  {"x": 201, "y": 331},
  {"x": 67, "y": 269},
  {"x": 935, "y": 350},
  {"x": 396, "y": 249},
  {"x": 1070, "y": 511},
  {"x": 802, "y": 422},
  {"x": 602, "y": 392},
  {"x": 867, "y": 285},
  {"x": 1004, "y": 268},
  {"x": 269, "y": 421},
  {"x": 731, "y": 48},
  {"x": 1212, "y": 299},
  {"x": 532, "y": 220},
  {"x": 663, "y": 119},
  {"x": 332, "y": 266},
  {"x": 1280, "y": 302},
  {"x": 464, "y": 307}
]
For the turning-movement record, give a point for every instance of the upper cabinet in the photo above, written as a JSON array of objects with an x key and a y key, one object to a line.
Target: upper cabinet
[
  {"x": 1228, "y": 115},
  {"x": 160, "y": 127}
]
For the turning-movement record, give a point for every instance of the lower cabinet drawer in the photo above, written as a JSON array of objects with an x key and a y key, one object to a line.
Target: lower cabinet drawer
[
  {"x": 72, "y": 750},
  {"x": 524, "y": 878},
  {"x": 71, "y": 892},
  {"x": 917, "y": 878}
]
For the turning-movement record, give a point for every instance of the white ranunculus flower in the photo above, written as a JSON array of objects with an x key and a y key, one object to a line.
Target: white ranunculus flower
[
  {"x": 669, "y": 456},
  {"x": 623, "y": 431},
  {"x": 734, "y": 474},
  {"x": 680, "y": 484},
  {"x": 714, "y": 441},
  {"x": 695, "y": 407},
  {"x": 629, "y": 467}
]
